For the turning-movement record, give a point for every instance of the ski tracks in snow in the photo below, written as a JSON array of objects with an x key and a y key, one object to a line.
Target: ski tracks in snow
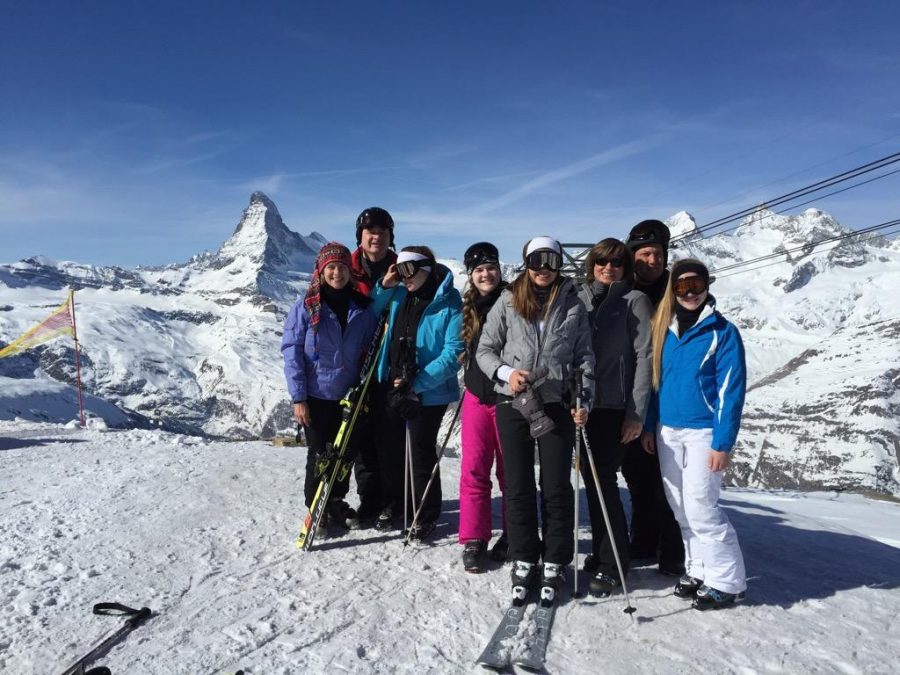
[{"x": 203, "y": 534}]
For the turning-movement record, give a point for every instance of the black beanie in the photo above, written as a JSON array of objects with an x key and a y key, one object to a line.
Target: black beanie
[{"x": 685, "y": 266}]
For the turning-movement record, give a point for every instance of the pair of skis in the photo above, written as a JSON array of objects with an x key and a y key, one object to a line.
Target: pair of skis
[
  {"x": 509, "y": 647},
  {"x": 337, "y": 462}
]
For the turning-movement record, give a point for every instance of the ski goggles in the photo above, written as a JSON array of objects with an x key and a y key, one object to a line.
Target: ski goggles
[
  {"x": 603, "y": 262},
  {"x": 409, "y": 268},
  {"x": 480, "y": 258},
  {"x": 543, "y": 259},
  {"x": 692, "y": 285}
]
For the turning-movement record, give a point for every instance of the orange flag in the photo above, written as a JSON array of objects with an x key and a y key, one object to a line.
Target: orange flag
[{"x": 60, "y": 322}]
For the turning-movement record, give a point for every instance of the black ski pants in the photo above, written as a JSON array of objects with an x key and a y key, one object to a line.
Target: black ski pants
[
  {"x": 654, "y": 530},
  {"x": 325, "y": 420},
  {"x": 369, "y": 441},
  {"x": 555, "y": 458},
  {"x": 604, "y": 433},
  {"x": 390, "y": 442}
]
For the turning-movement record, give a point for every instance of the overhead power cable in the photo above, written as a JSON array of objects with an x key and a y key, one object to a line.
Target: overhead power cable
[
  {"x": 804, "y": 191},
  {"x": 798, "y": 173},
  {"x": 738, "y": 267}
]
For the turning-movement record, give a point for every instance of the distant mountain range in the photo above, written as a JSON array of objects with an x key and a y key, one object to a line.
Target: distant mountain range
[{"x": 195, "y": 346}]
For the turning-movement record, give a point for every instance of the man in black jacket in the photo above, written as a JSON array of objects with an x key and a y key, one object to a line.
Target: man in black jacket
[{"x": 654, "y": 531}]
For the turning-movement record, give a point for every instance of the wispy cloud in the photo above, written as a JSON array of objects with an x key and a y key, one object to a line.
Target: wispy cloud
[
  {"x": 565, "y": 172},
  {"x": 490, "y": 180},
  {"x": 431, "y": 157},
  {"x": 268, "y": 184}
]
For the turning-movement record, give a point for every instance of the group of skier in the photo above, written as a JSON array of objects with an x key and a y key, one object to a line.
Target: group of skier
[{"x": 636, "y": 362}]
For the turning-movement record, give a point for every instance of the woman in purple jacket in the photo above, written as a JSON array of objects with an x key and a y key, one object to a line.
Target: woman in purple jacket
[{"x": 326, "y": 335}]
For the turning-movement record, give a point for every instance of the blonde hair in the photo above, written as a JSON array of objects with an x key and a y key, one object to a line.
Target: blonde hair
[
  {"x": 659, "y": 327},
  {"x": 524, "y": 299}
]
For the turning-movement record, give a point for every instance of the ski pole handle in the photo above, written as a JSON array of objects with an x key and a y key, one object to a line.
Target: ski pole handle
[{"x": 136, "y": 616}]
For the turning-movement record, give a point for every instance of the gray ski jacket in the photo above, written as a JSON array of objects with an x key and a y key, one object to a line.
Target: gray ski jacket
[
  {"x": 562, "y": 346},
  {"x": 620, "y": 335}
]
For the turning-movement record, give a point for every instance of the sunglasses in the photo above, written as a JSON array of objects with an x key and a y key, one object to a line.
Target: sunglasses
[
  {"x": 693, "y": 285},
  {"x": 538, "y": 260},
  {"x": 603, "y": 262},
  {"x": 408, "y": 269}
]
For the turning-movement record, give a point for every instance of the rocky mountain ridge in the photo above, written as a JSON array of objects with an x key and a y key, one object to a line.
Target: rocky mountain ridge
[{"x": 195, "y": 345}]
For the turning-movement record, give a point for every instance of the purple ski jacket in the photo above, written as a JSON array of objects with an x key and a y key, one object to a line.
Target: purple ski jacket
[{"x": 325, "y": 363}]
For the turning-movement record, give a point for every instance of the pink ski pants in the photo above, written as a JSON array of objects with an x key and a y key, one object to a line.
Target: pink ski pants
[{"x": 480, "y": 447}]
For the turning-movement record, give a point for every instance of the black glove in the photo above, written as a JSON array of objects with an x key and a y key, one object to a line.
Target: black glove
[
  {"x": 405, "y": 401},
  {"x": 531, "y": 407}
]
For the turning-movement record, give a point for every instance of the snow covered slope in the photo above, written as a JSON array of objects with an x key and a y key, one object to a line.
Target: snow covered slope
[
  {"x": 195, "y": 346},
  {"x": 822, "y": 334},
  {"x": 202, "y": 533}
]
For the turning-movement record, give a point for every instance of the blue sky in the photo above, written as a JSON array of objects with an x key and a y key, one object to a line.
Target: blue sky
[{"x": 134, "y": 133}]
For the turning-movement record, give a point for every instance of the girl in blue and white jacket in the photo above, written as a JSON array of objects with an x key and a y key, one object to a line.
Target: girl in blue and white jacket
[
  {"x": 326, "y": 335},
  {"x": 699, "y": 381}
]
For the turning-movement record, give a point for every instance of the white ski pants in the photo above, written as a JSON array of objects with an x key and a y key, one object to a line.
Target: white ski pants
[{"x": 712, "y": 551}]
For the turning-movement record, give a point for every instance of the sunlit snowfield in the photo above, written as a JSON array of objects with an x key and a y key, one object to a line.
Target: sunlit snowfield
[{"x": 203, "y": 534}]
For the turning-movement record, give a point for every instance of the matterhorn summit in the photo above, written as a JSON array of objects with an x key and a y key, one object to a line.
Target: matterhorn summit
[{"x": 262, "y": 257}]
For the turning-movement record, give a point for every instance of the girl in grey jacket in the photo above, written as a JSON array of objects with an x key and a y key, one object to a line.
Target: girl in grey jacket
[
  {"x": 620, "y": 332},
  {"x": 535, "y": 337}
]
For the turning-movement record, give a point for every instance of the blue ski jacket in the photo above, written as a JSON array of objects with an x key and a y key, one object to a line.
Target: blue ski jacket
[
  {"x": 704, "y": 379},
  {"x": 325, "y": 363},
  {"x": 438, "y": 339}
]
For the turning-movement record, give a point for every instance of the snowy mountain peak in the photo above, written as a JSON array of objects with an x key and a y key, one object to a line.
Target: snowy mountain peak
[
  {"x": 683, "y": 226},
  {"x": 262, "y": 253},
  {"x": 260, "y": 222},
  {"x": 811, "y": 225}
]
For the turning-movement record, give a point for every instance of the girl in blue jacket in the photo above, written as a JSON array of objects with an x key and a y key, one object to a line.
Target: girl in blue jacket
[
  {"x": 326, "y": 335},
  {"x": 416, "y": 378},
  {"x": 699, "y": 381}
]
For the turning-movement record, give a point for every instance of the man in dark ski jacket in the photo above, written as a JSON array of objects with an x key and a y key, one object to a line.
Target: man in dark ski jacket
[
  {"x": 369, "y": 263},
  {"x": 654, "y": 531}
]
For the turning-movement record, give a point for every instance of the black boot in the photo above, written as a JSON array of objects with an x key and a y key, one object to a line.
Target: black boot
[
  {"x": 687, "y": 587},
  {"x": 552, "y": 579},
  {"x": 500, "y": 549},
  {"x": 524, "y": 577},
  {"x": 473, "y": 555},
  {"x": 602, "y": 585},
  {"x": 708, "y": 597}
]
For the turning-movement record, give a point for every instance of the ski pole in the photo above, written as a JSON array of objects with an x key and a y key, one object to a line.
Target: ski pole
[
  {"x": 135, "y": 618},
  {"x": 434, "y": 472},
  {"x": 409, "y": 489},
  {"x": 577, "y": 465},
  {"x": 612, "y": 540}
]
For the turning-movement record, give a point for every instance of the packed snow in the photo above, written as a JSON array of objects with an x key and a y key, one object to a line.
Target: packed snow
[{"x": 203, "y": 533}]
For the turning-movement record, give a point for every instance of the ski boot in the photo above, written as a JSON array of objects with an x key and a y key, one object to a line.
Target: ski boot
[
  {"x": 687, "y": 587},
  {"x": 602, "y": 585},
  {"x": 523, "y": 577},
  {"x": 339, "y": 513},
  {"x": 473, "y": 554},
  {"x": 591, "y": 564},
  {"x": 385, "y": 519},
  {"x": 500, "y": 549},
  {"x": 708, "y": 597},
  {"x": 552, "y": 578},
  {"x": 421, "y": 531}
]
